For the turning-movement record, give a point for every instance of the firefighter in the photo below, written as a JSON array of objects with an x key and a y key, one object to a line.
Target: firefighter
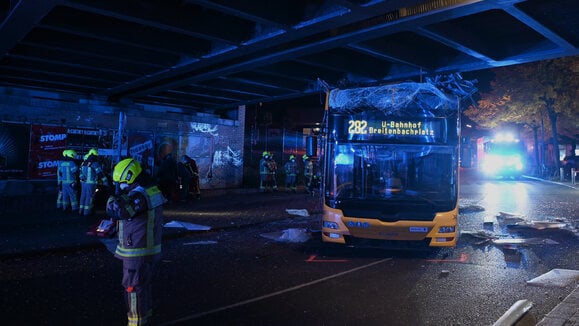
[
  {"x": 272, "y": 170},
  {"x": 168, "y": 177},
  {"x": 67, "y": 176},
  {"x": 291, "y": 173},
  {"x": 91, "y": 175},
  {"x": 264, "y": 176},
  {"x": 189, "y": 173},
  {"x": 138, "y": 208},
  {"x": 308, "y": 172}
]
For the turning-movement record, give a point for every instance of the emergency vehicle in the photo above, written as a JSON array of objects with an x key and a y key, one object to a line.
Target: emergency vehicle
[{"x": 503, "y": 155}]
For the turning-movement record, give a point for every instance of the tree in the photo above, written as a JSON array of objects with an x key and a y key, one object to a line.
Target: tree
[{"x": 530, "y": 93}]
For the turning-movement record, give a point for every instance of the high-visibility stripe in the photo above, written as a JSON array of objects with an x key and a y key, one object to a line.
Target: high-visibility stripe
[
  {"x": 120, "y": 231},
  {"x": 139, "y": 320},
  {"x": 137, "y": 252},
  {"x": 133, "y": 316}
]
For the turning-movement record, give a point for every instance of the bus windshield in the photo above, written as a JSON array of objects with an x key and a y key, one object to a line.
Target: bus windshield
[{"x": 401, "y": 174}]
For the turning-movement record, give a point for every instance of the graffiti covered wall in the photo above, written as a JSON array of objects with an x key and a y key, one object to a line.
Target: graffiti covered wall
[
  {"x": 215, "y": 140},
  {"x": 217, "y": 150}
]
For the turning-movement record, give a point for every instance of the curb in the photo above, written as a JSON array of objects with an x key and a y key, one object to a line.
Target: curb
[
  {"x": 568, "y": 185},
  {"x": 565, "y": 313}
]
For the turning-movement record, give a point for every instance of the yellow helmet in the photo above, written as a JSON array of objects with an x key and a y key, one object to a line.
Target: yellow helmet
[
  {"x": 265, "y": 153},
  {"x": 92, "y": 151},
  {"x": 292, "y": 157},
  {"x": 305, "y": 157},
  {"x": 126, "y": 171},
  {"x": 69, "y": 153}
]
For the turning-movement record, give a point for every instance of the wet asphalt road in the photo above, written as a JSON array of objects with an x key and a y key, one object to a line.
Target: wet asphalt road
[{"x": 241, "y": 276}]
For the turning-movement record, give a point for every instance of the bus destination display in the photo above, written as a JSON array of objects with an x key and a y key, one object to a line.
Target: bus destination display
[{"x": 430, "y": 131}]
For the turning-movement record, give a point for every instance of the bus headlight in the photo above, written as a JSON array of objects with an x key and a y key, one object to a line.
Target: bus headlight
[
  {"x": 446, "y": 229},
  {"x": 330, "y": 225}
]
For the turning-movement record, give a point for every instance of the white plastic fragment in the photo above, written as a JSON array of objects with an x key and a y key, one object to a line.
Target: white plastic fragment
[
  {"x": 556, "y": 278},
  {"x": 509, "y": 218},
  {"x": 186, "y": 225},
  {"x": 542, "y": 225},
  {"x": 488, "y": 220},
  {"x": 207, "y": 242},
  {"x": 289, "y": 235},
  {"x": 298, "y": 212},
  {"x": 481, "y": 234},
  {"x": 515, "y": 312},
  {"x": 522, "y": 241}
]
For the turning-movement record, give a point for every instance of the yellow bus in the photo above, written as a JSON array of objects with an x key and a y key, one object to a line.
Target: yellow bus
[{"x": 390, "y": 166}]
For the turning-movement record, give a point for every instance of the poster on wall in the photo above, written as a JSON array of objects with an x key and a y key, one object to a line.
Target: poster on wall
[
  {"x": 82, "y": 140},
  {"x": 46, "y": 146},
  {"x": 141, "y": 148},
  {"x": 108, "y": 146},
  {"x": 14, "y": 146}
]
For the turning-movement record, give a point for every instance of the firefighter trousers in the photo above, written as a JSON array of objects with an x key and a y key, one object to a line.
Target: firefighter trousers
[
  {"x": 137, "y": 282},
  {"x": 86, "y": 203},
  {"x": 67, "y": 198}
]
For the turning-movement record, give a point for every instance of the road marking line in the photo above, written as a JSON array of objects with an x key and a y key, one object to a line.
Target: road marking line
[
  {"x": 294, "y": 288},
  {"x": 313, "y": 259}
]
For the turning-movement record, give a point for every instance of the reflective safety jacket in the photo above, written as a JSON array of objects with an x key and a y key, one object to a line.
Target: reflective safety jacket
[
  {"x": 308, "y": 169},
  {"x": 67, "y": 171},
  {"x": 140, "y": 215},
  {"x": 291, "y": 168},
  {"x": 91, "y": 172},
  {"x": 263, "y": 166}
]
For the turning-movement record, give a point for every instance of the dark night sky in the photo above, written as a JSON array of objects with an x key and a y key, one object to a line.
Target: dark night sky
[{"x": 484, "y": 78}]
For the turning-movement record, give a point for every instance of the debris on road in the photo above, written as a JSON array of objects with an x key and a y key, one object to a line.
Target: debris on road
[
  {"x": 540, "y": 225},
  {"x": 186, "y": 225},
  {"x": 481, "y": 234},
  {"x": 523, "y": 241},
  {"x": 289, "y": 235},
  {"x": 207, "y": 242},
  {"x": 509, "y": 218},
  {"x": 489, "y": 237},
  {"x": 298, "y": 212},
  {"x": 515, "y": 312},
  {"x": 512, "y": 254},
  {"x": 556, "y": 278},
  {"x": 470, "y": 209},
  {"x": 484, "y": 235},
  {"x": 488, "y": 220}
]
